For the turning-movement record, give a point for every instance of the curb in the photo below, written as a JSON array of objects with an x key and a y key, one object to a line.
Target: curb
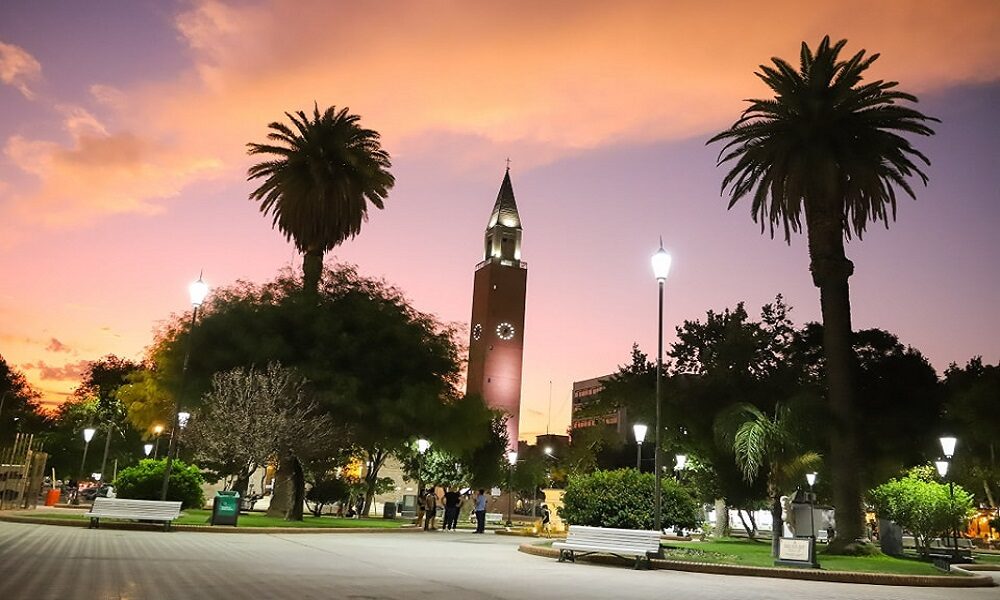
[
  {"x": 971, "y": 580},
  {"x": 201, "y": 528}
]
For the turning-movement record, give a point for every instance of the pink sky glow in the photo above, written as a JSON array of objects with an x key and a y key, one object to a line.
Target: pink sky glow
[{"x": 122, "y": 165}]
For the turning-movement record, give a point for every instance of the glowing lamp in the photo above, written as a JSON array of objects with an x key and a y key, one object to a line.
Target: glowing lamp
[
  {"x": 548, "y": 450},
  {"x": 681, "y": 460},
  {"x": 512, "y": 457},
  {"x": 88, "y": 434},
  {"x": 148, "y": 449},
  {"x": 640, "y": 432},
  {"x": 811, "y": 479},
  {"x": 942, "y": 467},
  {"x": 198, "y": 290},
  {"x": 182, "y": 419},
  {"x": 423, "y": 445},
  {"x": 661, "y": 263},
  {"x": 95, "y": 476},
  {"x": 158, "y": 429},
  {"x": 948, "y": 444}
]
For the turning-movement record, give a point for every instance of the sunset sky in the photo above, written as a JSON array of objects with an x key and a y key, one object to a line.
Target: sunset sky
[{"x": 123, "y": 127}]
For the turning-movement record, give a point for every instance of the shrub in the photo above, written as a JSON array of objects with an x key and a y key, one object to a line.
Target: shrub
[
  {"x": 145, "y": 481},
  {"x": 922, "y": 506},
  {"x": 326, "y": 491},
  {"x": 624, "y": 499}
]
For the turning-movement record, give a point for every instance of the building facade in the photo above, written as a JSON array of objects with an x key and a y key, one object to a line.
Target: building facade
[
  {"x": 496, "y": 330},
  {"x": 584, "y": 393}
]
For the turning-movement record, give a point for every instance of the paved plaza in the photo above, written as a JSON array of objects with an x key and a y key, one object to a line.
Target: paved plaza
[{"x": 39, "y": 562}]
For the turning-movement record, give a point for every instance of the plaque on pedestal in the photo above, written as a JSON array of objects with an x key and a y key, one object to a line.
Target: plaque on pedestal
[{"x": 797, "y": 552}]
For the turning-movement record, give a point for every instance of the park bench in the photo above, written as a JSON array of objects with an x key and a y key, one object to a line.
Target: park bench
[
  {"x": 139, "y": 510},
  {"x": 491, "y": 518},
  {"x": 583, "y": 540}
]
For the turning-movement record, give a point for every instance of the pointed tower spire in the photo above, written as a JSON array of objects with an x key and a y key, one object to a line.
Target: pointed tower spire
[
  {"x": 505, "y": 209},
  {"x": 503, "y": 233}
]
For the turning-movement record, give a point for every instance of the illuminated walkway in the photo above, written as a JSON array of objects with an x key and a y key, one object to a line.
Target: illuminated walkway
[{"x": 39, "y": 562}]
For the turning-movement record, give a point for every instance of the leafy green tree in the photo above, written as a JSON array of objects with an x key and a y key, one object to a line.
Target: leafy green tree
[
  {"x": 318, "y": 178},
  {"x": 972, "y": 412},
  {"x": 726, "y": 360},
  {"x": 19, "y": 408},
  {"x": 762, "y": 442},
  {"x": 327, "y": 491},
  {"x": 829, "y": 146},
  {"x": 623, "y": 499},
  {"x": 144, "y": 482},
  {"x": 479, "y": 466},
  {"x": 384, "y": 372},
  {"x": 897, "y": 390},
  {"x": 101, "y": 382},
  {"x": 921, "y": 505}
]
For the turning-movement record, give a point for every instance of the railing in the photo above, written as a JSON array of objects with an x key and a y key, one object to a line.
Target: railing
[{"x": 504, "y": 263}]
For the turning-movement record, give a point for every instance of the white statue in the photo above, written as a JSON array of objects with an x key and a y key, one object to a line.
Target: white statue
[{"x": 787, "y": 514}]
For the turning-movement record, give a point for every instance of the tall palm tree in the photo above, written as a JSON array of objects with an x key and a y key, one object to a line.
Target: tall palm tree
[
  {"x": 831, "y": 147},
  {"x": 760, "y": 441},
  {"x": 321, "y": 175}
]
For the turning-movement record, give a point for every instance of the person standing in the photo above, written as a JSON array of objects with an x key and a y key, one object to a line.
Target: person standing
[
  {"x": 481, "y": 511},
  {"x": 430, "y": 510},
  {"x": 451, "y": 501}
]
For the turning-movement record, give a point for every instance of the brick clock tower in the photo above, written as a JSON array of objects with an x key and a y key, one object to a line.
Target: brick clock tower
[{"x": 496, "y": 343}]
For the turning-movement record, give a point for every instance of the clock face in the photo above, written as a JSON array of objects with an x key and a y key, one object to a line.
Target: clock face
[
  {"x": 477, "y": 331},
  {"x": 505, "y": 331}
]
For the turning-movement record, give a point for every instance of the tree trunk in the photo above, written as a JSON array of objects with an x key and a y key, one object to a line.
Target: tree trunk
[
  {"x": 289, "y": 490},
  {"x": 830, "y": 272},
  {"x": 751, "y": 533},
  {"x": 312, "y": 270},
  {"x": 777, "y": 524},
  {"x": 721, "y": 519},
  {"x": 242, "y": 482},
  {"x": 375, "y": 461}
]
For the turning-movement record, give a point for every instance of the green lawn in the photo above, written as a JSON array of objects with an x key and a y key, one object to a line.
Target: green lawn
[
  {"x": 200, "y": 517},
  {"x": 758, "y": 554}
]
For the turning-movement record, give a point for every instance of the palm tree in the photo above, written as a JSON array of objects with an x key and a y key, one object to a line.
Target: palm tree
[
  {"x": 829, "y": 146},
  {"x": 320, "y": 176},
  {"x": 758, "y": 441}
]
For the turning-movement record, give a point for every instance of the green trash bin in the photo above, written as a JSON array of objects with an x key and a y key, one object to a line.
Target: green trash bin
[{"x": 225, "y": 508}]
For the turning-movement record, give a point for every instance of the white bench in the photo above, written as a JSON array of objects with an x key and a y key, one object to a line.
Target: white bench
[
  {"x": 141, "y": 510},
  {"x": 618, "y": 542},
  {"x": 491, "y": 518}
]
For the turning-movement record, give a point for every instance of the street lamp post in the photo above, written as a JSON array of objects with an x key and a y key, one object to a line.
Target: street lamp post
[
  {"x": 88, "y": 434},
  {"x": 198, "y": 291},
  {"x": 640, "y": 436},
  {"x": 107, "y": 446},
  {"x": 811, "y": 480},
  {"x": 661, "y": 268},
  {"x": 512, "y": 460},
  {"x": 147, "y": 449},
  {"x": 948, "y": 444}
]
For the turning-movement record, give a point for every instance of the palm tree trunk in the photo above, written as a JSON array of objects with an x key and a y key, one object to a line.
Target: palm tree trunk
[
  {"x": 312, "y": 270},
  {"x": 777, "y": 523},
  {"x": 830, "y": 271}
]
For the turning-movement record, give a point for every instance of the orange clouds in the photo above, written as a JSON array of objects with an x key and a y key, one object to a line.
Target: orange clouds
[
  {"x": 547, "y": 79},
  {"x": 18, "y": 68}
]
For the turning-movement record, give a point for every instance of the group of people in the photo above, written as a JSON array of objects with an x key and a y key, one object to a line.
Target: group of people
[{"x": 454, "y": 501}]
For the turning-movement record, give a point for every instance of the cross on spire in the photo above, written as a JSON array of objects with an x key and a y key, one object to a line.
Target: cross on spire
[{"x": 508, "y": 163}]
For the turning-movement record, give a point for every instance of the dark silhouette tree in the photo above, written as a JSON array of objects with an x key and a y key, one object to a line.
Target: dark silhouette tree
[
  {"x": 319, "y": 177},
  {"x": 830, "y": 147}
]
